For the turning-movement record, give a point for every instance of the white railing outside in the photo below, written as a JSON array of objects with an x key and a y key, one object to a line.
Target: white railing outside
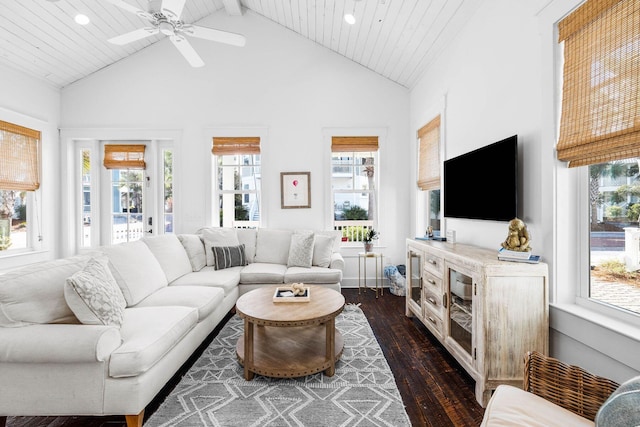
[
  {"x": 121, "y": 233},
  {"x": 354, "y": 231}
]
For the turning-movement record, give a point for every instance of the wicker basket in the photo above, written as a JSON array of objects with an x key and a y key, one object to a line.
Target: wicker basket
[{"x": 568, "y": 386}]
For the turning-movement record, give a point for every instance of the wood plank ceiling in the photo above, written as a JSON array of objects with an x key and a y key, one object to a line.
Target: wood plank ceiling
[{"x": 397, "y": 39}]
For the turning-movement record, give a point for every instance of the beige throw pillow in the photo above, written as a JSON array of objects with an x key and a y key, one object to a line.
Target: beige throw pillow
[
  {"x": 94, "y": 296},
  {"x": 301, "y": 250}
]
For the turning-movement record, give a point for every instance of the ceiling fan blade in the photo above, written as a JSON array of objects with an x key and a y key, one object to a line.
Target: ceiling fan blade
[
  {"x": 132, "y": 9},
  {"x": 214, "y": 35},
  {"x": 187, "y": 50},
  {"x": 172, "y": 9},
  {"x": 133, "y": 36}
]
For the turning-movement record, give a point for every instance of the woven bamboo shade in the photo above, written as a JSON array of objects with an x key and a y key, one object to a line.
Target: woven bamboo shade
[
  {"x": 342, "y": 144},
  {"x": 124, "y": 156},
  {"x": 429, "y": 155},
  {"x": 236, "y": 145},
  {"x": 19, "y": 157},
  {"x": 601, "y": 83}
]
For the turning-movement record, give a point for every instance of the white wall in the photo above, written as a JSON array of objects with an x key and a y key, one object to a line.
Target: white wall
[
  {"x": 279, "y": 81},
  {"x": 498, "y": 80},
  {"x": 33, "y": 103}
]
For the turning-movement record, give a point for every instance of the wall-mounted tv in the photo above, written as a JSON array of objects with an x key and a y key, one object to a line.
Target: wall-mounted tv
[{"x": 483, "y": 184}]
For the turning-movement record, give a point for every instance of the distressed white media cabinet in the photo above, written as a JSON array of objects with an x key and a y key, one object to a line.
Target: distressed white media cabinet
[{"x": 487, "y": 313}]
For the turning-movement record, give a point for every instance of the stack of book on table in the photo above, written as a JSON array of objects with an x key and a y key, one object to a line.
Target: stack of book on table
[{"x": 517, "y": 256}]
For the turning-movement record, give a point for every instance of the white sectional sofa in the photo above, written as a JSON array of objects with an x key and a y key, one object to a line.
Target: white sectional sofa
[{"x": 107, "y": 348}]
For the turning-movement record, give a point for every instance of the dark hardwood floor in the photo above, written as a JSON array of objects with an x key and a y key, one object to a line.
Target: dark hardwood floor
[{"x": 436, "y": 391}]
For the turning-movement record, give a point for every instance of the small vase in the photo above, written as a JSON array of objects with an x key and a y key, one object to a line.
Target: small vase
[{"x": 368, "y": 247}]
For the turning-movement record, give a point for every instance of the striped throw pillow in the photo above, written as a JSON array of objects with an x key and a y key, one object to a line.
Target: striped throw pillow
[{"x": 228, "y": 256}]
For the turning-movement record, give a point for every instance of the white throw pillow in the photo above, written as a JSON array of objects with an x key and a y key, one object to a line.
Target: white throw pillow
[
  {"x": 323, "y": 250},
  {"x": 301, "y": 250},
  {"x": 194, "y": 247},
  {"x": 94, "y": 296},
  {"x": 218, "y": 236}
]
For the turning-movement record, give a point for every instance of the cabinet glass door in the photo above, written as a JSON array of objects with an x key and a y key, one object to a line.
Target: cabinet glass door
[
  {"x": 460, "y": 308},
  {"x": 415, "y": 277}
]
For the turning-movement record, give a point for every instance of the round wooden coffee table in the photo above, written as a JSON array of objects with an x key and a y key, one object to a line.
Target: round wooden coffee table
[{"x": 292, "y": 339}]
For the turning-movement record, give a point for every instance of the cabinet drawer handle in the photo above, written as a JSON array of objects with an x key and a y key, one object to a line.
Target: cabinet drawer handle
[
  {"x": 432, "y": 261},
  {"x": 431, "y": 282},
  {"x": 432, "y": 320},
  {"x": 432, "y": 301}
]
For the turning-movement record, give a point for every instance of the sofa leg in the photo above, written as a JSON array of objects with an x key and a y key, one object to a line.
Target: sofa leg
[{"x": 133, "y": 420}]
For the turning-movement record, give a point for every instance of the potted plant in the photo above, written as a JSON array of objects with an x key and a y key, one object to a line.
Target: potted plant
[{"x": 369, "y": 236}]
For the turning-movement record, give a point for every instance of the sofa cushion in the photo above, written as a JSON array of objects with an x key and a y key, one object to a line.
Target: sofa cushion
[
  {"x": 301, "y": 250},
  {"x": 148, "y": 333},
  {"x": 170, "y": 254},
  {"x": 272, "y": 246},
  {"x": 203, "y": 298},
  {"x": 228, "y": 256},
  {"x": 511, "y": 406},
  {"x": 259, "y": 272},
  {"x": 136, "y": 270},
  {"x": 94, "y": 296},
  {"x": 312, "y": 275},
  {"x": 35, "y": 293},
  {"x": 322, "y": 249},
  {"x": 218, "y": 236},
  {"x": 247, "y": 237},
  {"x": 226, "y": 279}
]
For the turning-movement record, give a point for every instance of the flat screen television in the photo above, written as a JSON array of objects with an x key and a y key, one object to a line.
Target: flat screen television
[{"x": 483, "y": 184}]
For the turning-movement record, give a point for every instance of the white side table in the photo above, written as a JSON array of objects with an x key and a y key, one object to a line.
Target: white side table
[{"x": 377, "y": 260}]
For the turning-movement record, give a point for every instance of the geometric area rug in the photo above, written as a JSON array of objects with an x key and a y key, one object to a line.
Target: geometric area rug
[{"x": 213, "y": 392}]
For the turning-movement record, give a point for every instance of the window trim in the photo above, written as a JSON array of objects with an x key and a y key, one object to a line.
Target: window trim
[
  {"x": 327, "y": 134},
  {"x": 211, "y": 188},
  {"x": 36, "y": 199}
]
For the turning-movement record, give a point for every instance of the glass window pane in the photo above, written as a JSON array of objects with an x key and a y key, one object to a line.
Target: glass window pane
[
  {"x": 614, "y": 235},
  {"x": 13, "y": 220}
]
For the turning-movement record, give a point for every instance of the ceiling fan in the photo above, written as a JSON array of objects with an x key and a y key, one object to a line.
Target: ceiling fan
[{"x": 167, "y": 21}]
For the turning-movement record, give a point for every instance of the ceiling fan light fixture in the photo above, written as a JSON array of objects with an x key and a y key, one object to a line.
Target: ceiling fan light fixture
[
  {"x": 166, "y": 28},
  {"x": 349, "y": 18}
]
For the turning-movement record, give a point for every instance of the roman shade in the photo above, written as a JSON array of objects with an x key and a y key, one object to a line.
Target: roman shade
[
  {"x": 343, "y": 144},
  {"x": 19, "y": 157},
  {"x": 429, "y": 155},
  {"x": 600, "y": 119},
  {"x": 236, "y": 145},
  {"x": 124, "y": 156}
]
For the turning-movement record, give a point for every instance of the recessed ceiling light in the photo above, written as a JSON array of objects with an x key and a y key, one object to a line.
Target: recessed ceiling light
[
  {"x": 82, "y": 19},
  {"x": 349, "y": 18}
]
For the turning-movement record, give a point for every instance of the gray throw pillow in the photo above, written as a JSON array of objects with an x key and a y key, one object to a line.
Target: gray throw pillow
[
  {"x": 228, "y": 256},
  {"x": 301, "y": 250}
]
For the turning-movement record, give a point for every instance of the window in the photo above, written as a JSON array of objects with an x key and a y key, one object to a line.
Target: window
[
  {"x": 600, "y": 131},
  {"x": 19, "y": 182},
  {"x": 239, "y": 181},
  {"x": 429, "y": 170},
  {"x": 354, "y": 162},
  {"x": 167, "y": 189},
  {"x": 126, "y": 165},
  {"x": 87, "y": 212},
  {"x": 614, "y": 237}
]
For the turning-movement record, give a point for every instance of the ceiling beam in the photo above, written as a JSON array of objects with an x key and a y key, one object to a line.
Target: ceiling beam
[{"x": 233, "y": 7}]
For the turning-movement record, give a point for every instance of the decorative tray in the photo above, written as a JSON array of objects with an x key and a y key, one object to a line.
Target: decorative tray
[{"x": 285, "y": 294}]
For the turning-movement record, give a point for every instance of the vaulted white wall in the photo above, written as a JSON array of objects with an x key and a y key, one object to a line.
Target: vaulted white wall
[
  {"x": 280, "y": 82},
  {"x": 496, "y": 80}
]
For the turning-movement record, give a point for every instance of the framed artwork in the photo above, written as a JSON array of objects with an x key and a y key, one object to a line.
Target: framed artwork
[{"x": 295, "y": 190}]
